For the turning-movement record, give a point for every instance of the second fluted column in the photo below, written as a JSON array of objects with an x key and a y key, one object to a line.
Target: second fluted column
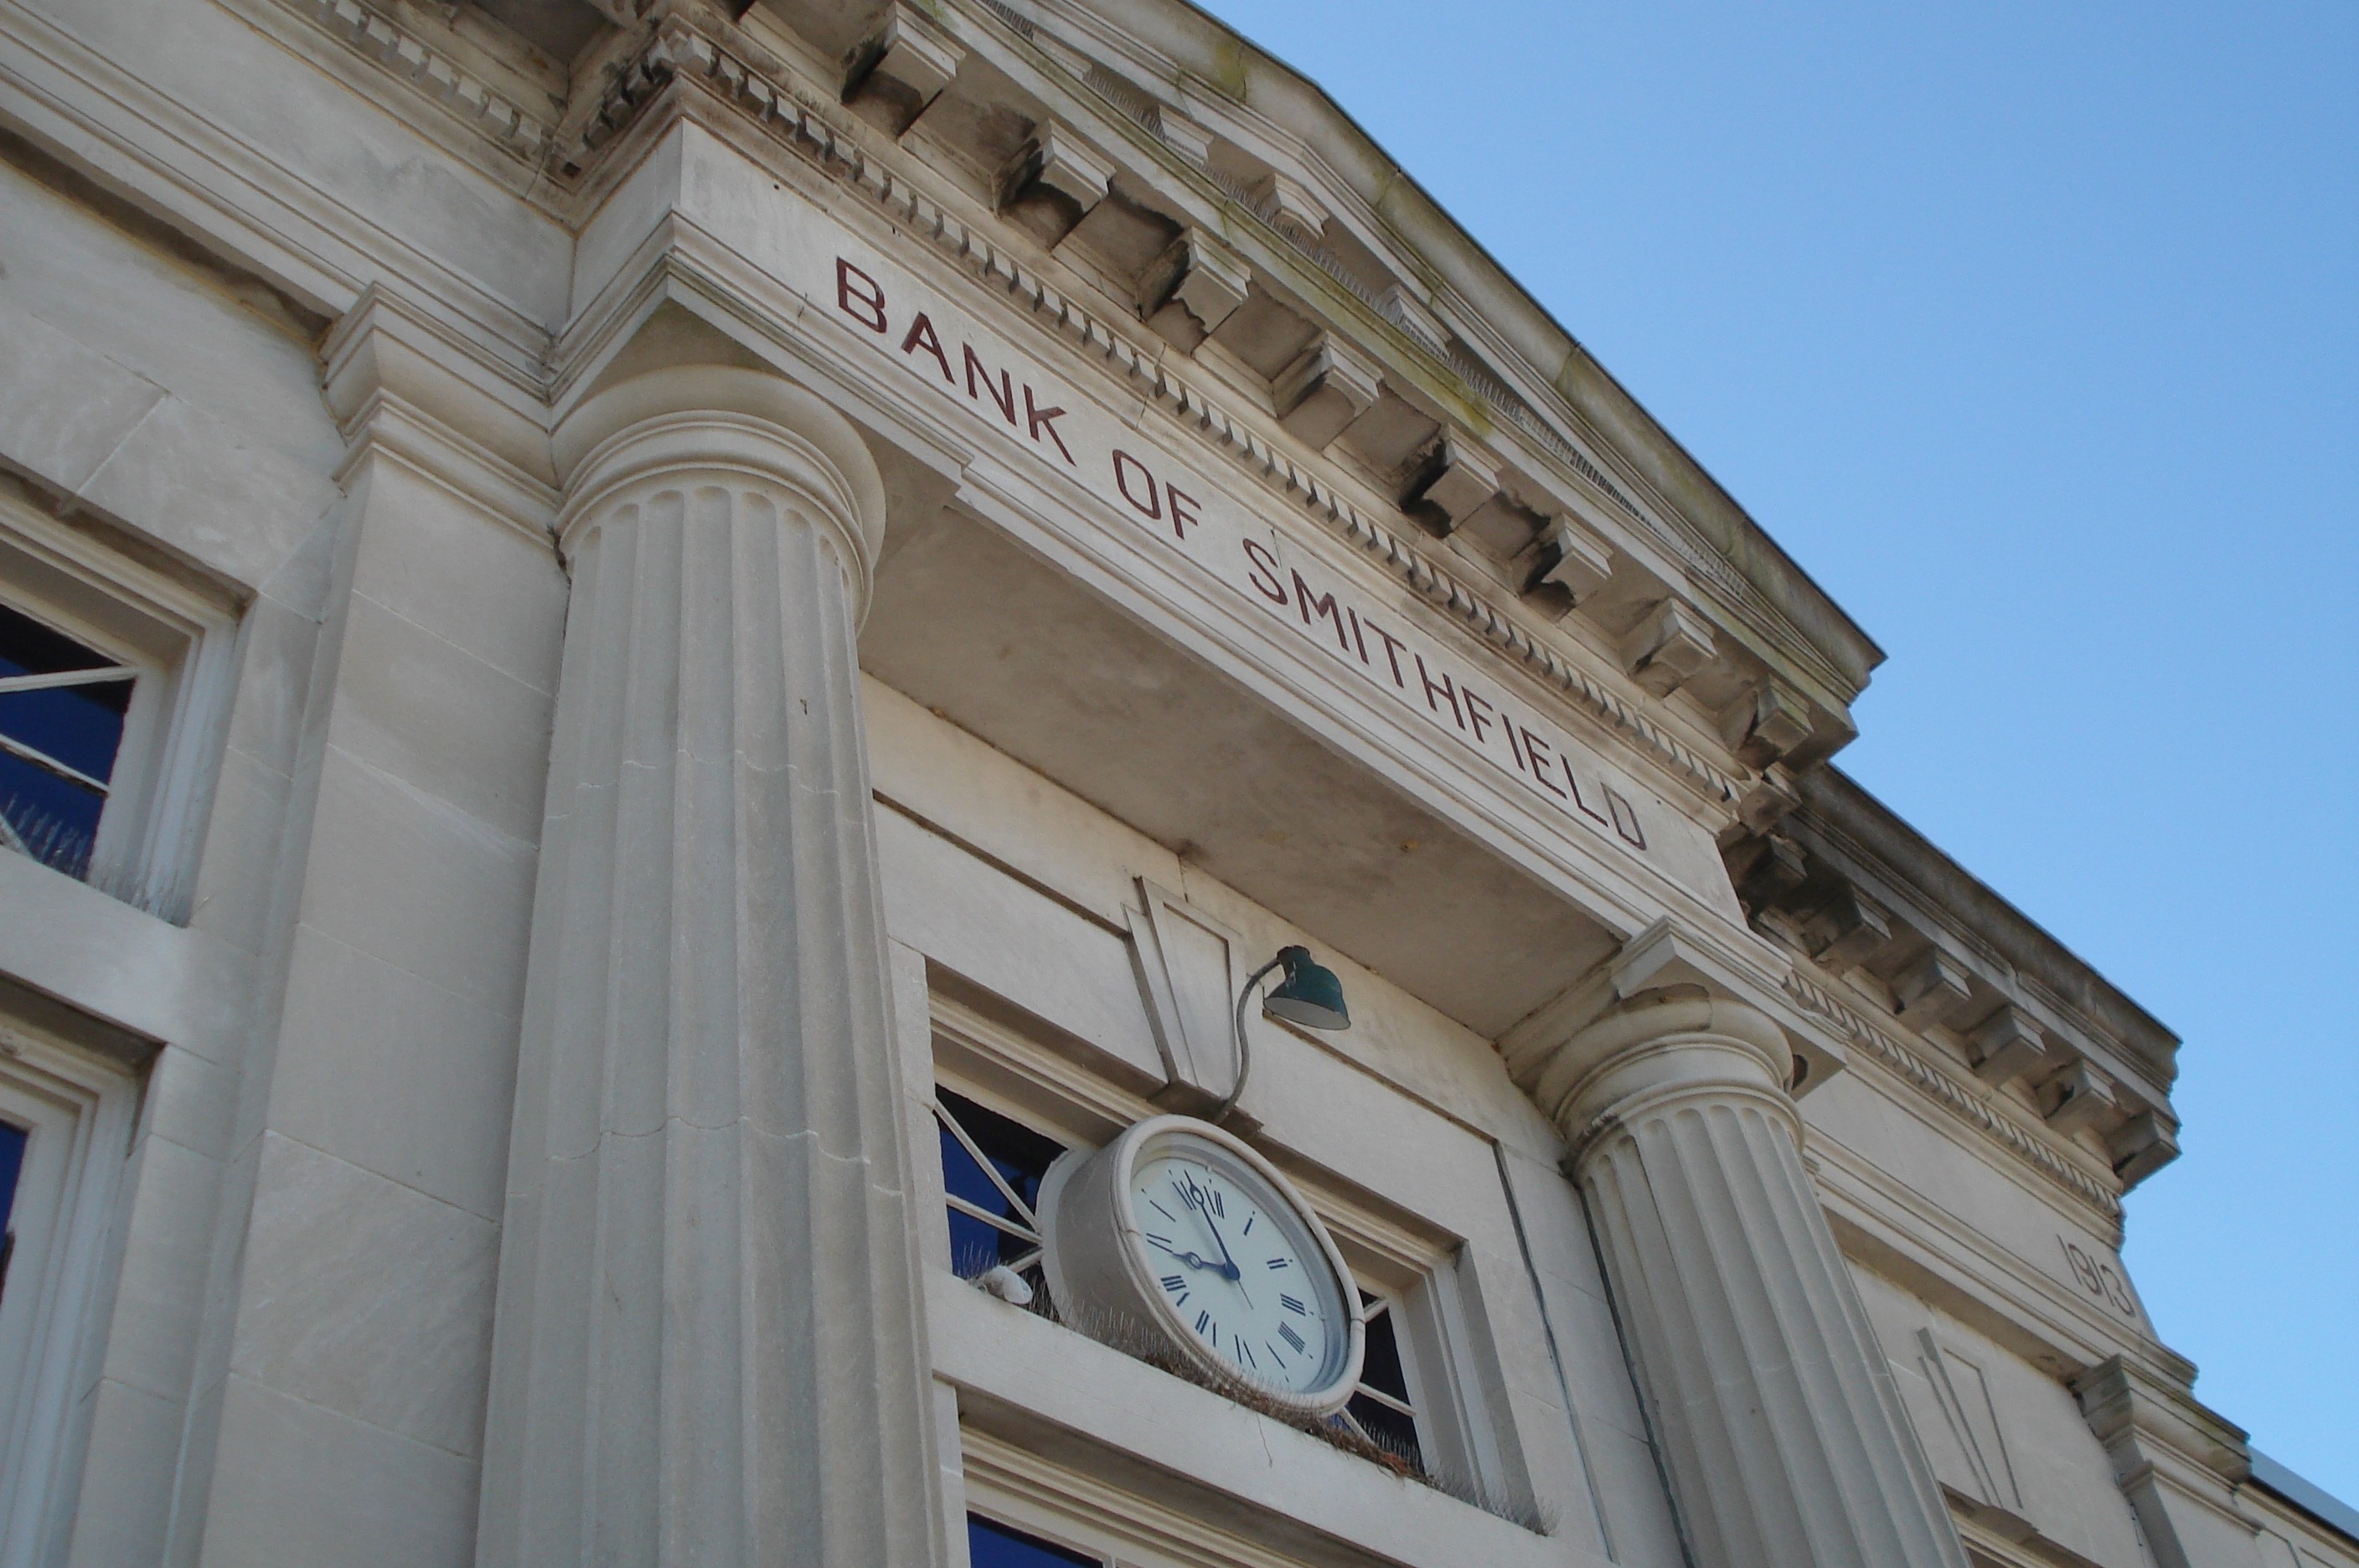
[
  {"x": 705, "y": 1108},
  {"x": 1780, "y": 1429}
]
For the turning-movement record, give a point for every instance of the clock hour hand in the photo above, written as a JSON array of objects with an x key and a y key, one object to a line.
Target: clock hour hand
[{"x": 1189, "y": 1258}]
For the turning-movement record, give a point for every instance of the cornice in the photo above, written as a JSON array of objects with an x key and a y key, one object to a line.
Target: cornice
[
  {"x": 1491, "y": 382},
  {"x": 813, "y": 130},
  {"x": 1969, "y": 1106},
  {"x": 432, "y": 71}
]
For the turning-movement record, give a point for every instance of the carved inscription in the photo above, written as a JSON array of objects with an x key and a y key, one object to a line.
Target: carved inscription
[
  {"x": 1150, "y": 490},
  {"x": 2100, "y": 1277}
]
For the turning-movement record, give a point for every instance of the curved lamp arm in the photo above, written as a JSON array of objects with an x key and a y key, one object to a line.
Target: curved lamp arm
[{"x": 1244, "y": 1057}]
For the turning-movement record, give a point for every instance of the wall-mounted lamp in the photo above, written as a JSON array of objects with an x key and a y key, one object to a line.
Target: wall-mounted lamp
[{"x": 1311, "y": 996}]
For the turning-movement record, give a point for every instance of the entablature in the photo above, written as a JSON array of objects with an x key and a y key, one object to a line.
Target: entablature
[{"x": 1254, "y": 243}]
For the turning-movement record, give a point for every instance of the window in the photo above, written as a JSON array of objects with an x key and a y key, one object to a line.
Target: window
[
  {"x": 990, "y": 1544},
  {"x": 1380, "y": 1409},
  {"x": 1424, "y": 1406},
  {"x": 992, "y": 1168},
  {"x": 12, "y": 1160},
  {"x": 66, "y": 1110},
  {"x": 111, "y": 676},
  {"x": 61, "y": 709}
]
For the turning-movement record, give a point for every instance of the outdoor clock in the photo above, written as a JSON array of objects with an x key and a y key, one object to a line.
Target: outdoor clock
[{"x": 1183, "y": 1230}]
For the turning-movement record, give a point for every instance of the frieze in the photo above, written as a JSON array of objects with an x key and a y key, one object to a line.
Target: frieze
[
  {"x": 675, "y": 43},
  {"x": 1142, "y": 490}
]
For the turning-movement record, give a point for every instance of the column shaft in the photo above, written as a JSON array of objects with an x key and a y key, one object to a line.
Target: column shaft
[
  {"x": 709, "y": 1343},
  {"x": 1780, "y": 1429}
]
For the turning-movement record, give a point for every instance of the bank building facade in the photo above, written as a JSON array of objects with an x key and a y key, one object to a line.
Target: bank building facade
[{"x": 905, "y": 786}]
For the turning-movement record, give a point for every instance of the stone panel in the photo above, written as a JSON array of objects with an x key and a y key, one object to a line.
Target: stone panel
[
  {"x": 368, "y": 1298},
  {"x": 395, "y": 1074}
]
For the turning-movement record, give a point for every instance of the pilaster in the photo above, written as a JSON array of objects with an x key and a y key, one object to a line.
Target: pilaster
[
  {"x": 706, "y": 1098},
  {"x": 2178, "y": 1462}
]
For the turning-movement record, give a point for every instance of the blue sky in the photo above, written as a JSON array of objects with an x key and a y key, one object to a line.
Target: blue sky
[{"x": 2032, "y": 332}]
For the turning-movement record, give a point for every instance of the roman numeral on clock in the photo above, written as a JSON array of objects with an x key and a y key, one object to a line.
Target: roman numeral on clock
[
  {"x": 1204, "y": 1324},
  {"x": 1286, "y": 1332},
  {"x": 1279, "y": 1263},
  {"x": 1175, "y": 1281},
  {"x": 1290, "y": 1304}
]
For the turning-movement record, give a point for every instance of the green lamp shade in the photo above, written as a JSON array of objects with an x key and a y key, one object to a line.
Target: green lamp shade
[{"x": 1310, "y": 994}]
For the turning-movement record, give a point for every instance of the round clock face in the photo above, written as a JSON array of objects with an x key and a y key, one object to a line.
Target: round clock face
[
  {"x": 1244, "y": 1280},
  {"x": 1189, "y": 1228}
]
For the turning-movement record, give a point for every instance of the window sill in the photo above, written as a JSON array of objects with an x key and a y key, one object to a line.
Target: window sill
[
  {"x": 113, "y": 962},
  {"x": 1069, "y": 1400}
]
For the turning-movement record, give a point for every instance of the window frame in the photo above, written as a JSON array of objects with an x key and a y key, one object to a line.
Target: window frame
[
  {"x": 80, "y": 1109},
  {"x": 177, "y": 635}
]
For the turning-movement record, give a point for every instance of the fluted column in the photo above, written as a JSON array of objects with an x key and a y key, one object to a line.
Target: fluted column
[
  {"x": 1779, "y": 1425},
  {"x": 709, "y": 1343}
]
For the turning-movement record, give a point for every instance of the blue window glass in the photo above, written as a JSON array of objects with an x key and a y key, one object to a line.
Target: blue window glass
[
  {"x": 1020, "y": 1155},
  {"x": 61, "y": 712},
  {"x": 1382, "y": 1405},
  {"x": 12, "y": 1160},
  {"x": 994, "y": 1545}
]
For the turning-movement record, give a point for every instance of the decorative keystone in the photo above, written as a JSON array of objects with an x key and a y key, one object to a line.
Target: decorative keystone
[
  {"x": 1930, "y": 988},
  {"x": 1579, "y": 560},
  {"x": 1450, "y": 486},
  {"x": 1195, "y": 284},
  {"x": 904, "y": 66},
  {"x": 1667, "y": 648},
  {"x": 1851, "y": 929},
  {"x": 1290, "y": 204},
  {"x": 2075, "y": 1098},
  {"x": 1765, "y": 722},
  {"x": 2007, "y": 1048}
]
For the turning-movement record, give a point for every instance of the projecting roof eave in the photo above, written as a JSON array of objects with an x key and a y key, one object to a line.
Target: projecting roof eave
[{"x": 1216, "y": 62}]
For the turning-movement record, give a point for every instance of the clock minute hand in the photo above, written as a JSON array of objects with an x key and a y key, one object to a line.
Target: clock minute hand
[{"x": 1228, "y": 1265}]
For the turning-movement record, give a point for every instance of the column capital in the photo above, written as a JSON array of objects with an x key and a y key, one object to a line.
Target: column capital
[
  {"x": 1557, "y": 1053},
  {"x": 688, "y": 421},
  {"x": 1659, "y": 1047}
]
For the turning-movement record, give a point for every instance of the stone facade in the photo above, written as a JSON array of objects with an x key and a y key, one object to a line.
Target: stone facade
[{"x": 704, "y": 619}]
